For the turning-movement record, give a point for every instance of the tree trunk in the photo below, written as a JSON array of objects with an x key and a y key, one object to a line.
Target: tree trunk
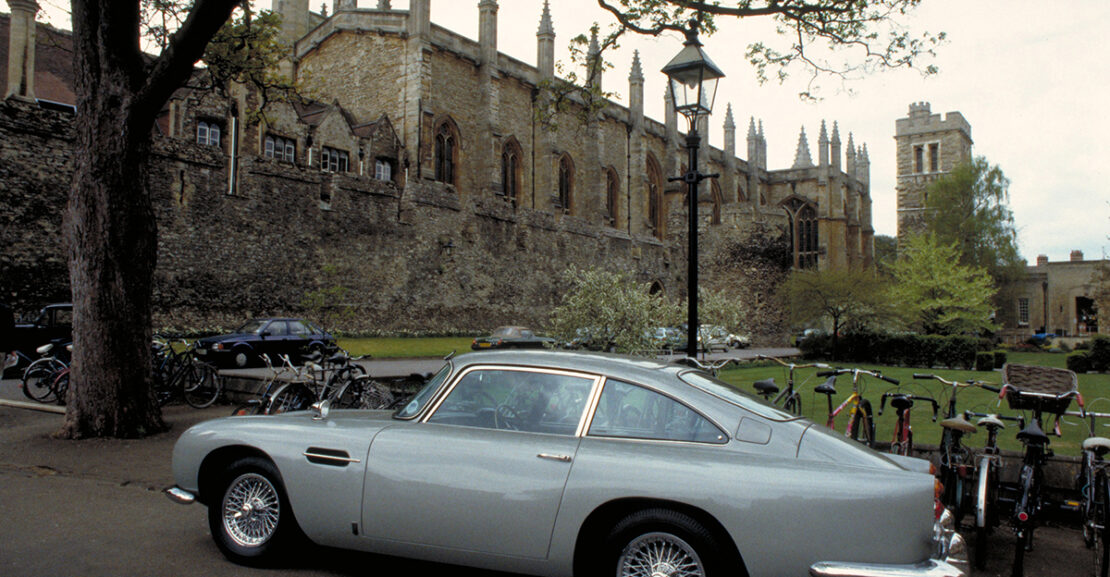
[{"x": 111, "y": 235}]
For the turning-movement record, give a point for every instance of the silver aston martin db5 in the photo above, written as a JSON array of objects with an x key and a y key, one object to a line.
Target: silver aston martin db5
[{"x": 558, "y": 463}]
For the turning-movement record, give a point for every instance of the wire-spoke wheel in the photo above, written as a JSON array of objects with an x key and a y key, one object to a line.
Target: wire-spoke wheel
[
  {"x": 38, "y": 379},
  {"x": 659, "y": 554},
  {"x": 251, "y": 510},
  {"x": 251, "y": 521},
  {"x": 654, "y": 542}
]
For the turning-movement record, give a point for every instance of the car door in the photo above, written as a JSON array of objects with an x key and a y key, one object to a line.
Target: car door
[
  {"x": 484, "y": 470},
  {"x": 274, "y": 339}
]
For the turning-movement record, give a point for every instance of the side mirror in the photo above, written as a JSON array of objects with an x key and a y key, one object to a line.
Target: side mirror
[{"x": 264, "y": 334}]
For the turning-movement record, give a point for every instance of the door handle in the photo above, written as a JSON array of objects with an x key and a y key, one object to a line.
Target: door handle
[{"x": 550, "y": 457}]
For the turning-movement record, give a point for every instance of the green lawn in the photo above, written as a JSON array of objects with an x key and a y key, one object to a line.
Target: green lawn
[
  {"x": 406, "y": 347},
  {"x": 1095, "y": 390}
]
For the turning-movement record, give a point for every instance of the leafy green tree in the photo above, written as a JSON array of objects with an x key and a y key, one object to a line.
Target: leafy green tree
[
  {"x": 604, "y": 310},
  {"x": 843, "y": 297},
  {"x": 110, "y": 229},
  {"x": 886, "y": 252},
  {"x": 940, "y": 295},
  {"x": 969, "y": 207}
]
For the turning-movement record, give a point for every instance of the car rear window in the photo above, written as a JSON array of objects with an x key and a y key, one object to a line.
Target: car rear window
[{"x": 735, "y": 396}]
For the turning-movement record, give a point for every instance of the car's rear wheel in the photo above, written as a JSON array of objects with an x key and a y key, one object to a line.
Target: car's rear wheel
[
  {"x": 661, "y": 542},
  {"x": 252, "y": 523}
]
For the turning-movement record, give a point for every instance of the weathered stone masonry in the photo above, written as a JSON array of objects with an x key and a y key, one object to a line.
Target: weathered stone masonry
[{"x": 242, "y": 234}]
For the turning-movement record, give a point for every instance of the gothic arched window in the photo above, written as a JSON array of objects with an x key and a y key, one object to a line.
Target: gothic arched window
[
  {"x": 447, "y": 152},
  {"x": 715, "y": 188},
  {"x": 511, "y": 170},
  {"x": 803, "y": 232},
  {"x": 565, "y": 198},
  {"x": 612, "y": 196},
  {"x": 656, "y": 212}
]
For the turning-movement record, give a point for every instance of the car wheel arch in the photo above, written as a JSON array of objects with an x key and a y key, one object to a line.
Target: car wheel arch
[
  {"x": 215, "y": 463},
  {"x": 601, "y": 521}
]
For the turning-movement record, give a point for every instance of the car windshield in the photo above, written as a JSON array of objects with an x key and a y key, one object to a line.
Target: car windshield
[
  {"x": 733, "y": 395},
  {"x": 251, "y": 327},
  {"x": 413, "y": 407},
  {"x": 506, "y": 332}
]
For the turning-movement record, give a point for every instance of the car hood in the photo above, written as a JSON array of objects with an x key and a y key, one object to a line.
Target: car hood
[{"x": 226, "y": 338}]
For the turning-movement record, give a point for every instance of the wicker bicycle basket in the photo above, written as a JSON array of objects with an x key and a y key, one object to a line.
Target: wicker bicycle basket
[{"x": 1042, "y": 381}]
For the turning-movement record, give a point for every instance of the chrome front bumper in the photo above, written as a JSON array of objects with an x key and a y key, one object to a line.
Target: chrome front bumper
[
  {"x": 181, "y": 496},
  {"x": 949, "y": 559}
]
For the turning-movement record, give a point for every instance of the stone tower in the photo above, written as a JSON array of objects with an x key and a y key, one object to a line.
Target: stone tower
[{"x": 928, "y": 146}]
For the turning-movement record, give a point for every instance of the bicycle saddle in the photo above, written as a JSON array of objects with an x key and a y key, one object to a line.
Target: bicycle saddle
[
  {"x": 766, "y": 387},
  {"x": 1033, "y": 434},
  {"x": 338, "y": 359},
  {"x": 1098, "y": 445},
  {"x": 901, "y": 402},
  {"x": 828, "y": 387},
  {"x": 991, "y": 421},
  {"x": 959, "y": 423}
]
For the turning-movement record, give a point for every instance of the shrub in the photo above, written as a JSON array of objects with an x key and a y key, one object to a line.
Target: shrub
[
  {"x": 999, "y": 359},
  {"x": 984, "y": 361},
  {"x": 1079, "y": 362},
  {"x": 1083, "y": 345},
  {"x": 1100, "y": 354},
  {"x": 958, "y": 352}
]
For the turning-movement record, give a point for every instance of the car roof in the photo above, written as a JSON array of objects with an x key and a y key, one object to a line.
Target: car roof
[{"x": 639, "y": 368}]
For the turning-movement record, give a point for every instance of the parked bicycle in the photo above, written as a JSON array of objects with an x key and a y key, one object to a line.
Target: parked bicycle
[
  {"x": 41, "y": 378},
  {"x": 1041, "y": 390},
  {"x": 1094, "y": 487},
  {"x": 789, "y": 398},
  {"x": 957, "y": 462},
  {"x": 987, "y": 486},
  {"x": 902, "y": 442},
  {"x": 177, "y": 372},
  {"x": 861, "y": 425}
]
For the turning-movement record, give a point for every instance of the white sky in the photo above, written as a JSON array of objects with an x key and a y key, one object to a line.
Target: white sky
[{"x": 1030, "y": 77}]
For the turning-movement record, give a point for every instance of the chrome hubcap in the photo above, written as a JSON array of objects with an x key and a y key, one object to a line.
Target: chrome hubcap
[
  {"x": 659, "y": 555},
  {"x": 251, "y": 510}
]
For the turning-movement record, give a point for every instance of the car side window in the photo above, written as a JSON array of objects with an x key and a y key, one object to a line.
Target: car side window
[
  {"x": 529, "y": 401},
  {"x": 63, "y": 318},
  {"x": 634, "y": 412},
  {"x": 277, "y": 328},
  {"x": 298, "y": 328}
]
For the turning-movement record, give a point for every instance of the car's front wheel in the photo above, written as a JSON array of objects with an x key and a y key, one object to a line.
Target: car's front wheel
[
  {"x": 661, "y": 542},
  {"x": 241, "y": 357},
  {"x": 252, "y": 521}
]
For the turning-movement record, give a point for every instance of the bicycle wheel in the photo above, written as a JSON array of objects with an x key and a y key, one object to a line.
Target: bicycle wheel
[
  {"x": 1099, "y": 526},
  {"x": 986, "y": 508},
  {"x": 60, "y": 384},
  {"x": 291, "y": 397},
  {"x": 202, "y": 386},
  {"x": 364, "y": 394},
  {"x": 38, "y": 378},
  {"x": 863, "y": 428}
]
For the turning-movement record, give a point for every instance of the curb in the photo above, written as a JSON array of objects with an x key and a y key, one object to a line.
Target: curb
[{"x": 33, "y": 406}]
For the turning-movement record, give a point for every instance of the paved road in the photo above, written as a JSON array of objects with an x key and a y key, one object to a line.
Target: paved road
[{"x": 94, "y": 508}]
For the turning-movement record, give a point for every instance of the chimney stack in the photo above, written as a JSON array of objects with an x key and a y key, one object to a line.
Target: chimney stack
[
  {"x": 1042, "y": 259},
  {"x": 1076, "y": 256}
]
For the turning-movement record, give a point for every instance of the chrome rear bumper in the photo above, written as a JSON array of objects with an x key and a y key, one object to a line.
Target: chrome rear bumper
[{"x": 949, "y": 559}]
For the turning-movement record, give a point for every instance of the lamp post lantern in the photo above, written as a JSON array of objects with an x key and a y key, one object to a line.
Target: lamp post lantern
[{"x": 692, "y": 82}]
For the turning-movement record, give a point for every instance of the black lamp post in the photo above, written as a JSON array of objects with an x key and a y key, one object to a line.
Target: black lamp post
[{"x": 693, "y": 85}]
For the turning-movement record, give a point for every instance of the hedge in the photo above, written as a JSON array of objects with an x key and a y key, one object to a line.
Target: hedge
[
  {"x": 1094, "y": 357},
  {"x": 923, "y": 351}
]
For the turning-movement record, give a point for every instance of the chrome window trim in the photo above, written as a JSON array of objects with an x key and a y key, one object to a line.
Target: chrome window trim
[
  {"x": 450, "y": 366},
  {"x": 722, "y": 430},
  {"x": 594, "y": 387}
]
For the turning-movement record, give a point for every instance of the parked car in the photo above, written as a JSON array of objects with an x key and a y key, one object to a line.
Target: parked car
[
  {"x": 512, "y": 338},
  {"x": 245, "y": 345},
  {"x": 713, "y": 337},
  {"x": 739, "y": 341},
  {"x": 668, "y": 339},
  {"x": 559, "y": 463},
  {"x": 53, "y": 324}
]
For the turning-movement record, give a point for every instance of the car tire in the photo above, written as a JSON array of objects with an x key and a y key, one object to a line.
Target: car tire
[
  {"x": 241, "y": 357},
  {"x": 661, "y": 541},
  {"x": 251, "y": 520}
]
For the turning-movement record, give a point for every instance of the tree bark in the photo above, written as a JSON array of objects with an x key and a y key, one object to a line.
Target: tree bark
[{"x": 110, "y": 229}]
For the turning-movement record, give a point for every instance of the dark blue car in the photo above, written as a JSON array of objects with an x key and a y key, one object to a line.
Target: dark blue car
[{"x": 272, "y": 337}]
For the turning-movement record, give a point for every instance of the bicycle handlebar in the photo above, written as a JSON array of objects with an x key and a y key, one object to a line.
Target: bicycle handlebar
[
  {"x": 1020, "y": 419},
  {"x": 792, "y": 365},
  {"x": 855, "y": 372},
  {"x": 911, "y": 397}
]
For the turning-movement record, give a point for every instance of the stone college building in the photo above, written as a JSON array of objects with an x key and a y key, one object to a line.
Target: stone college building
[{"x": 421, "y": 190}]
